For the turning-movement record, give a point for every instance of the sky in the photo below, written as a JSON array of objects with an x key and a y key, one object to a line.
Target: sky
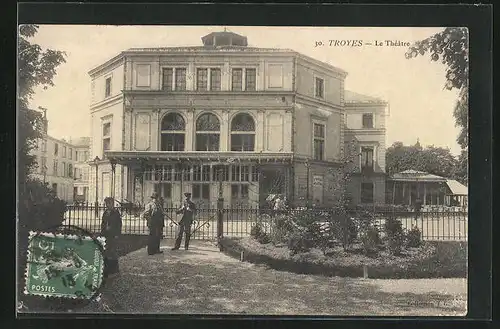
[{"x": 420, "y": 108}]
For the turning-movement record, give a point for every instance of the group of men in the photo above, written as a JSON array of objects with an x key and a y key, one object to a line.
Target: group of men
[{"x": 154, "y": 214}]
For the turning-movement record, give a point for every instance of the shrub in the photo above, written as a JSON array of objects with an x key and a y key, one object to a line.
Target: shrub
[
  {"x": 414, "y": 238},
  {"x": 344, "y": 230},
  {"x": 38, "y": 210},
  {"x": 281, "y": 228},
  {"x": 395, "y": 235},
  {"x": 299, "y": 242},
  {"x": 258, "y": 233},
  {"x": 370, "y": 239}
]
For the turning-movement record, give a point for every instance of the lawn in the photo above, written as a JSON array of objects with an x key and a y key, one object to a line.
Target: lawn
[{"x": 205, "y": 281}]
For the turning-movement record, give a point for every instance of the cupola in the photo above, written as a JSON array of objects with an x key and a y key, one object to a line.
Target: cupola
[{"x": 224, "y": 38}]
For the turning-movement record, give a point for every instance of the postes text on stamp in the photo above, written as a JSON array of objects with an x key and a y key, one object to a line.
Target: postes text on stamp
[{"x": 66, "y": 266}]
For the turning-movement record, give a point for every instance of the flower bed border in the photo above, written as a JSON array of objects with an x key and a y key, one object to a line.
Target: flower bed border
[{"x": 440, "y": 265}]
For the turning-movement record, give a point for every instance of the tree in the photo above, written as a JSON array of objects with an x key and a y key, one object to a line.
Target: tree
[
  {"x": 451, "y": 46},
  {"x": 36, "y": 68},
  {"x": 434, "y": 160}
]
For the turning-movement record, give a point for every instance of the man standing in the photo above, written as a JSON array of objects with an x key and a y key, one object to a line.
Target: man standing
[
  {"x": 154, "y": 216},
  {"x": 111, "y": 229},
  {"x": 187, "y": 210}
]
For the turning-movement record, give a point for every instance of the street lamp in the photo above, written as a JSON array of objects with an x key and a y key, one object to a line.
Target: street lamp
[{"x": 96, "y": 162}]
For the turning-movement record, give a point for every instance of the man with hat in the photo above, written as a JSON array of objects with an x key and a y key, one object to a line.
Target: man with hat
[
  {"x": 187, "y": 210},
  {"x": 155, "y": 220}
]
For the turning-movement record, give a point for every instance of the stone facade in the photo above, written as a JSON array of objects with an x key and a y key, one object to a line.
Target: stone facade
[{"x": 293, "y": 106}]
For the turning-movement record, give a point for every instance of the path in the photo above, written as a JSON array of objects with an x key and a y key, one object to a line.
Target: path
[{"x": 205, "y": 281}]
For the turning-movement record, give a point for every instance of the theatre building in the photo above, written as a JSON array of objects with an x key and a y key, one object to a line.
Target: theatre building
[{"x": 254, "y": 121}]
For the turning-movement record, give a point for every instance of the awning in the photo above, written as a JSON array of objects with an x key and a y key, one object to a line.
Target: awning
[
  {"x": 416, "y": 176},
  {"x": 126, "y": 157},
  {"x": 457, "y": 188}
]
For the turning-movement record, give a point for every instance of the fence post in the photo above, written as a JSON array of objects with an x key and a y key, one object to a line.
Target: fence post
[{"x": 220, "y": 228}]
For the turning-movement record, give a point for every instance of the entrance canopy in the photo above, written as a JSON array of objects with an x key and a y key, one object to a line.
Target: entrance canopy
[{"x": 128, "y": 157}]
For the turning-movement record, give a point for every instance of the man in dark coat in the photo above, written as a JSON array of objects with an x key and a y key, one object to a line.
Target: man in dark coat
[
  {"x": 188, "y": 211},
  {"x": 154, "y": 216},
  {"x": 111, "y": 228}
]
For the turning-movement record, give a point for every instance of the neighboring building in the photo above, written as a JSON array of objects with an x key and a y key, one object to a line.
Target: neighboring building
[
  {"x": 258, "y": 121},
  {"x": 56, "y": 159},
  {"x": 405, "y": 187},
  {"x": 81, "y": 169},
  {"x": 365, "y": 125}
]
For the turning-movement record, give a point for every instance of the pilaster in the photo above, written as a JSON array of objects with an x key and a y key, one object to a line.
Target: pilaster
[
  {"x": 190, "y": 129},
  {"x": 260, "y": 133},
  {"x": 224, "y": 132}
]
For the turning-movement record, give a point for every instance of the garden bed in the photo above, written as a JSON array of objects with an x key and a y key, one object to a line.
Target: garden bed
[{"x": 431, "y": 260}]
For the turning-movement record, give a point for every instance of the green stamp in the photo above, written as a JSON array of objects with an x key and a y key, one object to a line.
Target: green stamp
[{"x": 66, "y": 266}]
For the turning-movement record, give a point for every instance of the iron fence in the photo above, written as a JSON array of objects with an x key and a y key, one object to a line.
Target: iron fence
[{"x": 441, "y": 224}]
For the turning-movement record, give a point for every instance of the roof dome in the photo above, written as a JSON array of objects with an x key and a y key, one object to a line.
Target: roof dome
[{"x": 224, "y": 38}]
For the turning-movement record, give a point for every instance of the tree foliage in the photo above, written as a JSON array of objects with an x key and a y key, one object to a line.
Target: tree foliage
[
  {"x": 434, "y": 160},
  {"x": 36, "y": 68},
  {"x": 38, "y": 207},
  {"x": 451, "y": 47}
]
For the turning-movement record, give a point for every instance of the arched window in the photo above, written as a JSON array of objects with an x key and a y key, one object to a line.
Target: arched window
[
  {"x": 207, "y": 132},
  {"x": 242, "y": 133},
  {"x": 173, "y": 132}
]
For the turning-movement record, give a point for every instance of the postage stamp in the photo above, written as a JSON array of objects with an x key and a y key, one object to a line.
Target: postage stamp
[{"x": 65, "y": 266}]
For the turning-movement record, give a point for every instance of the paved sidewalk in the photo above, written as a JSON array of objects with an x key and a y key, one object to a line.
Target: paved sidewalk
[{"x": 205, "y": 281}]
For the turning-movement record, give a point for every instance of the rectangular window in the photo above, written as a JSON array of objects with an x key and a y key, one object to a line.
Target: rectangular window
[
  {"x": 202, "y": 79},
  {"x": 201, "y": 191},
  {"x": 180, "y": 79},
  {"x": 220, "y": 172},
  {"x": 235, "y": 174},
  {"x": 235, "y": 191},
  {"x": 245, "y": 173},
  {"x": 167, "y": 83},
  {"x": 172, "y": 142},
  {"x": 367, "y": 153},
  {"x": 215, "y": 78},
  {"x": 250, "y": 79},
  {"x": 70, "y": 153},
  {"x": 197, "y": 173},
  {"x": 70, "y": 170},
  {"x": 106, "y": 129},
  {"x": 56, "y": 149},
  {"x": 368, "y": 120},
  {"x": 205, "y": 173},
  {"x": 158, "y": 173},
  {"x": 107, "y": 92},
  {"x": 167, "y": 173},
  {"x": 366, "y": 192},
  {"x": 106, "y": 145},
  {"x": 255, "y": 174},
  {"x": 319, "y": 90},
  {"x": 64, "y": 172},
  {"x": 182, "y": 171},
  {"x": 239, "y": 192},
  {"x": 242, "y": 142},
  {"x": 319, "y": 141},
  {"x": 207, "y": 142},
  {"x": 106, "y": 138},
  {"x": 44, "y": 145},
  {"x": 64, "y": 151},
  {"x": 244, "y": 191},
  {"x": 237, "y": 79},
  {"x": 167, "y": 190},
  {"x": 77, "y": 155}
]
